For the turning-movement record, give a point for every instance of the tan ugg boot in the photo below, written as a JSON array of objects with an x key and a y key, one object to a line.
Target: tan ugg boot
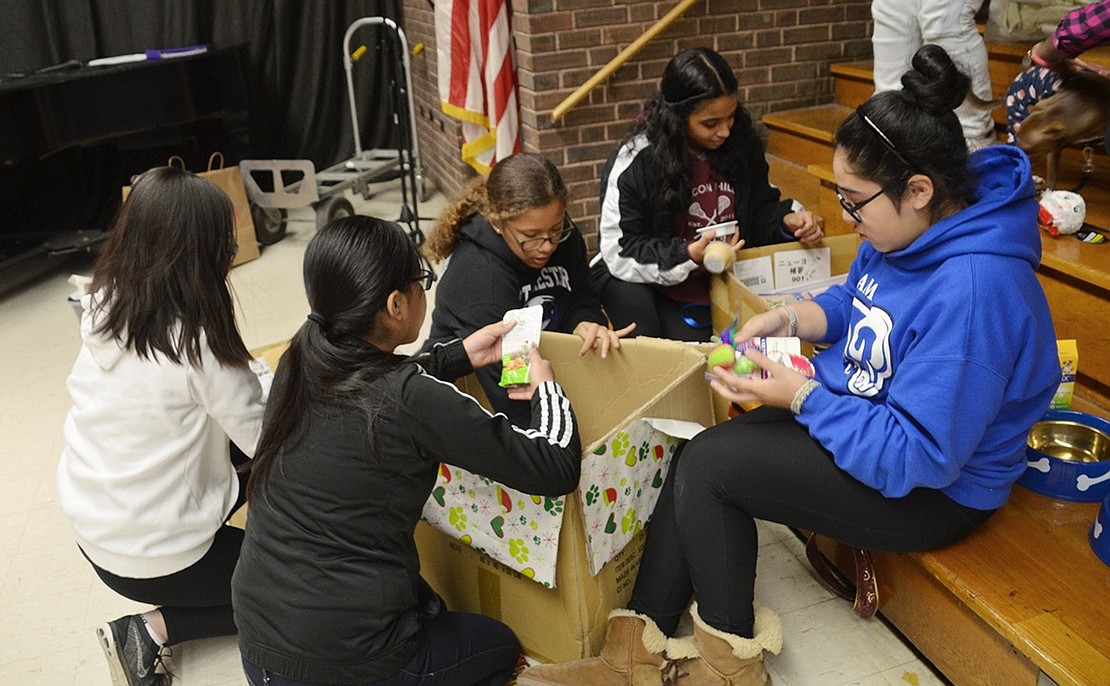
[
  {"x": 631, "y": 656},
  {"x": 716, "y": 658}
]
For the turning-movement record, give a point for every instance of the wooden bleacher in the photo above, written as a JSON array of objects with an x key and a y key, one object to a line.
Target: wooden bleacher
[{"x": 1024, "y": 600}]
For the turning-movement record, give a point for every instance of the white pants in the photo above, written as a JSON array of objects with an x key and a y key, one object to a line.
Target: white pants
[{"x": 903, "y": 26}]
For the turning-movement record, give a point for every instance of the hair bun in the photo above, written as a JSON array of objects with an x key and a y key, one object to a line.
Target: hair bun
[{"x": 935, "y": 83}]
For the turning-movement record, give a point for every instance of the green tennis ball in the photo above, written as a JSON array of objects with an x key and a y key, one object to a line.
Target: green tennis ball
[
  {"x": 744, "y": 366},
  {"x": 722, "y": 355}
]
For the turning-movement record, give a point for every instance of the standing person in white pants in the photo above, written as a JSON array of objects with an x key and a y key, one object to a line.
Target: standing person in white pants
[{"x": 903, "y": 26}]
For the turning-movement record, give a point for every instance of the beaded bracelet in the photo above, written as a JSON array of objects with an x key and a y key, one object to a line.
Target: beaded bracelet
[{"x": 801, "y": 394}]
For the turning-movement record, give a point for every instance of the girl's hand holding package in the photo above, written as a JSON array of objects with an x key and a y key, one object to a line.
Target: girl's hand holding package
[
  {"x": 777, "y": 390},
  {"x": 696, "y": 249},
  {"x": 483, "y": 347},
  {"x": 595, "y": 335},
  {"x": 539, "y": 370}
]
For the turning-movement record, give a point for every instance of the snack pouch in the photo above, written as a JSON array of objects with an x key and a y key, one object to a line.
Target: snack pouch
[{"x": 515, "y": 346}]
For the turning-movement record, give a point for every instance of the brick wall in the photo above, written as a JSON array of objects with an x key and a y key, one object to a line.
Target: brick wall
[{"x": 780, "y": 50}]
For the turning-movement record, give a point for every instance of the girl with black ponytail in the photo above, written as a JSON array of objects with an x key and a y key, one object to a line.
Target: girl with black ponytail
[
  {"x": 942, "y": 302},
  {"x": 328, "y": 588}
]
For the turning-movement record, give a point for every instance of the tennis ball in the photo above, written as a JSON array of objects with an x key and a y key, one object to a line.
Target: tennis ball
[{"x": 722, "y": 355}]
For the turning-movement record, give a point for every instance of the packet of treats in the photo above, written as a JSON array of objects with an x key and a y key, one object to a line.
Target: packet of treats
[{"x": 515, "y": 346}]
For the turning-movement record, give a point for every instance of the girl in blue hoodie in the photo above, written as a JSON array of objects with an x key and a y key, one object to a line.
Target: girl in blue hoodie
[{"x": 940, "y": 356}]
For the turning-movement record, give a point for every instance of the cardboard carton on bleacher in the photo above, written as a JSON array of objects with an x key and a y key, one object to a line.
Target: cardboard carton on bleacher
[
  {"x": 1069, "y": 365},
  {"x": 556, "y": 566},
  {"x": 729, "y": 298}
]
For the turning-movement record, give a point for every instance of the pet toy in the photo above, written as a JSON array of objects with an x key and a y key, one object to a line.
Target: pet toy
[
  {"x": 1061, "y": 212},
  {"x": 730, "y": 354}
]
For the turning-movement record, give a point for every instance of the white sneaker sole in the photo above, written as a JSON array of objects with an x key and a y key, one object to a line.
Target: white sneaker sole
[{"x": 115, "y": 663}]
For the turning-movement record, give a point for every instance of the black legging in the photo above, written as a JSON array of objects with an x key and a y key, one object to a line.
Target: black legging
[
  {"x": 763, "y": 464},
  {"x": 654, "y": 314},
  {"x": 195, "y": 602}
]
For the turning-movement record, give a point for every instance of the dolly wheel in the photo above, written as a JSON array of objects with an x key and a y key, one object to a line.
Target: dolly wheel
[
  {"x": 269, "y": 224},
  {"x": 333, "y": 208}
]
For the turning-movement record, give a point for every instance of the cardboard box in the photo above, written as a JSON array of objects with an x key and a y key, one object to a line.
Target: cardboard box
[
  {"x": 730, "y": 299},
  {"x": 1069, "y": 365},
  {"x": 647, "y": 378}
]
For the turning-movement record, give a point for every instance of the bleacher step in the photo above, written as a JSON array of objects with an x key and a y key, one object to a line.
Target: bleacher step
[
  {"x": 855, "y": 82},
  {"x": 804, "y": 135},
  {"x": 798, "y": 182}
]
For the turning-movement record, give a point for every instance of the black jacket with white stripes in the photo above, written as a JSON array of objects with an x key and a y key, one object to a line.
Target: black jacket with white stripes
[
  {"x": 327, "y": 586},
  {"x": 635, "y": 235}
]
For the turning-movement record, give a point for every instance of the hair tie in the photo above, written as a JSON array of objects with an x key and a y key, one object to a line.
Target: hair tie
[
  {"x": 319, "y": 319},
  {"x": 909, "y": 96}
]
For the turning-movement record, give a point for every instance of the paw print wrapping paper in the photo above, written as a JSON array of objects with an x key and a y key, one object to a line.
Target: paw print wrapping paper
[
  {"x": 620, "y": 484},
  {"x": 514, "y": 528}
]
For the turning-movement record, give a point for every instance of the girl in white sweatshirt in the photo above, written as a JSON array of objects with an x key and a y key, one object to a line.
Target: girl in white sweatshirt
[{"x": 164, "y": 406}]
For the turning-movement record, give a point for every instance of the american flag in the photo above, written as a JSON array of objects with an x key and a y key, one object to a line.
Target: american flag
[{"x": 477, "y": 81}]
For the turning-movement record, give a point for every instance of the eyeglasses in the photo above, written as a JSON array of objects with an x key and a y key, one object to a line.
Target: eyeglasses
[
  {"x": 853, "y": 210},
  {"x": 426, "y": 278},
  {"x": 555, "y": 237}
]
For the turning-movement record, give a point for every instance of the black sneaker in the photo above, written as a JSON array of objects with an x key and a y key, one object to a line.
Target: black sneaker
[{"x": 133, "y": 656}]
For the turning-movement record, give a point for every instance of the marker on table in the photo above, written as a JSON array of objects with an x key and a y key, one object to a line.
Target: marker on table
[{"x": 169, "y": 53}]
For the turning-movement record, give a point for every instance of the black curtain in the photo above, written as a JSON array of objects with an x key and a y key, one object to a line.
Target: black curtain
[{"x": 297, "y": 91}]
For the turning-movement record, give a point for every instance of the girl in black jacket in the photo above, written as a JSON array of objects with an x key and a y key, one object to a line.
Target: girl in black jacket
[
  {"x": 693, "y": 160},
  {"x": 512, "y": 245},
  {"x": 328, "y": 590}
]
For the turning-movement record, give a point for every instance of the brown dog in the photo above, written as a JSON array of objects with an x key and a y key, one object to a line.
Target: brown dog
[{"x": 1079, "y": 111}]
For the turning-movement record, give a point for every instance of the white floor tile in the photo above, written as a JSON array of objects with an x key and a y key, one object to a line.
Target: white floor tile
[
  {"x": 912, "y": 674},
  {"x": 827, "y": 644},
  {"x": 782, "y": 583},
  {"x": 210, "y": 661},
  {"x": 50, "y": 669}
]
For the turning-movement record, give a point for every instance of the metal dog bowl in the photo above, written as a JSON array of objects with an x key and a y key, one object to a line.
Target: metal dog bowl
[
  {"x": 1068, "y": 456},
  {"x": 1099, "y": 535}
]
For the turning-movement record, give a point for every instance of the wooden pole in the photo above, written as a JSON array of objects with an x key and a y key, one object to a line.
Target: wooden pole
[{"x": 634, "y": 47}]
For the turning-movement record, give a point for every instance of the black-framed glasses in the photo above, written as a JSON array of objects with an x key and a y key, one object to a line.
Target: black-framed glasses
[
  {"x": 555, "y": 237},
  {"x": 426, "y": 278},
  {"x": 853, "y": 209}
]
